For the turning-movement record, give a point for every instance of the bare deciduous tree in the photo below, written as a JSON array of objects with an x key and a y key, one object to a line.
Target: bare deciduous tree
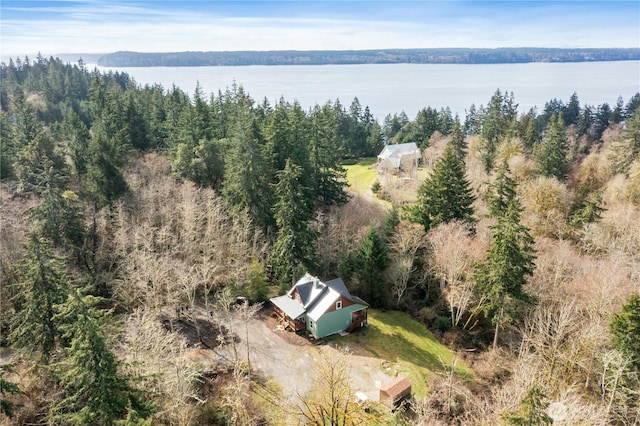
[
  {"x": 454, "y": 254},
  {"x": 404, "y": 272},
  {"x": 161, "y": 358},
  {"x": 229, "y": 315},
  {"x": 330, "y": 401}
]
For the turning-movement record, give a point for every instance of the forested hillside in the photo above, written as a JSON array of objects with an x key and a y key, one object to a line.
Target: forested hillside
[
  {"x": 127, "y": 210},
  {"x": 514, "y": 55}
]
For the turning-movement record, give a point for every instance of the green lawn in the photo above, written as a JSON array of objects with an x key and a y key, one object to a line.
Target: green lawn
[
  {"x": 361, "y": 175},
  {"x": 395, "y": 337}
]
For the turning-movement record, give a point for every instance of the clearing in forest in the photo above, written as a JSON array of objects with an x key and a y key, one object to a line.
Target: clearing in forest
[
  {"x": 407, "y": 345},
  {"x": 362, "y": 175}
]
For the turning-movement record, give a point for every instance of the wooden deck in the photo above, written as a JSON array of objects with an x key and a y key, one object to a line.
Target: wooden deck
[
  {"x": 287, "y": 322},
  {"x": 358, "y": 320}
]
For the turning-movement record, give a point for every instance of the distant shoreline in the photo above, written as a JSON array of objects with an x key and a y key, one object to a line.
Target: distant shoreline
[{"x": 519, "y": 55}]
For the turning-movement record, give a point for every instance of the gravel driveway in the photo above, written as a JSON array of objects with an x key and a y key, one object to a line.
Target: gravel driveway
[{"x": 289, "y": 359}]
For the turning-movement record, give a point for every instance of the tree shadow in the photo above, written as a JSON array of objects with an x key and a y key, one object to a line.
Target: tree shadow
[{"x": 394, "y": 343}]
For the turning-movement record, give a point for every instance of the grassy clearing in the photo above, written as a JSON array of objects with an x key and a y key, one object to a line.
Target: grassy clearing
[
  {"x": 395, "y": 337},
  {"x": 361, "y": 175}
]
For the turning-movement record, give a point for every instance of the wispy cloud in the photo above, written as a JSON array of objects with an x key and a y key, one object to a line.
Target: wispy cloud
[{"x": 93, "y": 26}]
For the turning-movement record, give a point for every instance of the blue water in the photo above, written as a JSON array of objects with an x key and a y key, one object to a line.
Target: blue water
[{"x": 393, "y": 88}]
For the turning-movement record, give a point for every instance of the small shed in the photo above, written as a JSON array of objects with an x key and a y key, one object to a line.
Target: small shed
[{"x": 394, "y": 392}]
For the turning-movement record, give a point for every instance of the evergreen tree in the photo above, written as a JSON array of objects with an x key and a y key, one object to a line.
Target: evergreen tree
[
  {"x": 500, "y": 116},
  {"x": 585, "y": 126},
  {"x": 393, "y": 124},
  {"x": 445, "y": 195},
  {"x": 202, "y": 115},
  {"x": 627, "y": 149},
  {"x": 135, "y": 130},
  {"x": 390, "y": 222},
  {"x": 375, "y": 141},
  {"x": 295, "y": 240},
  {"x": 157, "y": 117},
  {"x": 510, "y": 260},
  {"x": 325, "y": 150},
  {"x": 96, "y": 393},
  {"x": 37, "y": 161},
  {"x": 551, "y": 154},
  {"x": 532, "y": 410},
  {"x": 58, "y": 217},
  {"x": 298, "y": 137},
  {"x": 571, "y": 113},
  {"x": 247, "y": 177},
  {"x": 617, "y": 114},
  {"x": 78, "y": 138},
  {"x": 602, "y": 120},
  {"x": 529, "y": 130},
  {"x": 356, "y": 140},
  {"x": 458, "y": 142},
  {"x": 202, "y": 164},
  {"x": 26, "y": 126},
  {"x": 7, "y": 388},
  {"x": 588, "y": 209},
  {"x": 371, "y": 260},
  {"x": 473, "y": 120},
  {"x": 275, "y": 136},
  {"x": 43, "y": 284},
  {"x": 426, "y": 123},
  {"x": 175, "y": 102},
  {"x": 105, "y": 181},
  {"x": 7, "y": 148},
  {"x": 625, "y": 327},
  {"x": 632, "y": 105},
  {"x": 503, "y": 191}
]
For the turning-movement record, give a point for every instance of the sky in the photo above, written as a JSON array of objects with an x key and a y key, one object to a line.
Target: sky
[{"x": 100, "y": 26}]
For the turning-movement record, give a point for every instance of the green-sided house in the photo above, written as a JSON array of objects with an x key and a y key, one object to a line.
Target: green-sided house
[{"x": 320, "y": 308}]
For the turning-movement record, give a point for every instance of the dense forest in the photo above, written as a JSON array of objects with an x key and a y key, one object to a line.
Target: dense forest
[
  {"x": 126, "y": 209},
  {"x": 514, "y": 55}
]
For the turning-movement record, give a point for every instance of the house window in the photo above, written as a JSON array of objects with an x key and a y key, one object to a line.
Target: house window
[{"x": 339, "y": 304}]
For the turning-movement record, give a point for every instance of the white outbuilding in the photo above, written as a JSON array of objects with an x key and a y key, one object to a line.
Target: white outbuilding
[{"x": 398, "y": 156}]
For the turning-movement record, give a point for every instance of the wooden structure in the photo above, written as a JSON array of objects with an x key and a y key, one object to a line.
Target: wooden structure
[
  {"x": 289, "y": 323},
  {"x": 395, "y": 392}
]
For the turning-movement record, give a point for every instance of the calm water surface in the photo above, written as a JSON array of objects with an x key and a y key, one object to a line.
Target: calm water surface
[{"x": 393, "y": 88}]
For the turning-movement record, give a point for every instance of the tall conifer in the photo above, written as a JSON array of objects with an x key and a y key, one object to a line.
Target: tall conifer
[
  {"x": 444, "y": 196},
  {"x": 295, "y": 241},
  {"x": 43, "y": 284},
  {"x": 96, "y": 392},
  {"x": 510, "y": 261}
]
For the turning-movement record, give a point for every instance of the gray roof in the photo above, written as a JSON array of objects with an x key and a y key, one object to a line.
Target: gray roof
[
  {"x": 304, "y": 290},
  {"x": 397, "y": 153},
  {"x": 339, "y": 286},
  {"x": 315, "y": 297},
  {"x": 289, "y": 306}
]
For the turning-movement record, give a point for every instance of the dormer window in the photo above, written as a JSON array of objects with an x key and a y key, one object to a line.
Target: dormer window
[{"x": 339, "y": 304}]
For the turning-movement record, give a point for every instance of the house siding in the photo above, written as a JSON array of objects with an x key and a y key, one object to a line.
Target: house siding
[
  {"x": 335, "y": 321},
  {"x": 345, "y": 304}
]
